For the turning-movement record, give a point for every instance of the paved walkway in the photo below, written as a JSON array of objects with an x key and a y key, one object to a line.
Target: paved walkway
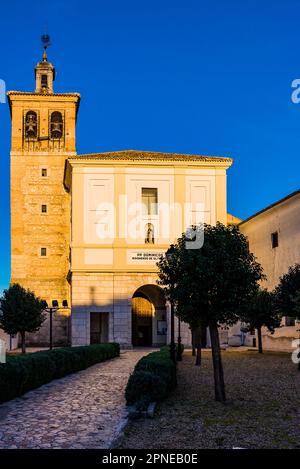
[{"x": 83, "y": 410}]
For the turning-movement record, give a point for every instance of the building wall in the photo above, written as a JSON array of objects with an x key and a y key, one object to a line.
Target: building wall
[
  {"x": 108, "y": 265},
  {"x": 284, "y": 219},
  {"x": 112, "y": 294}
]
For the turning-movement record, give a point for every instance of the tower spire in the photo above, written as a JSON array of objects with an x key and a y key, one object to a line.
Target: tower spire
[
  {"x": 44, "y": 71},
  {"x": 46, "y": 44}
]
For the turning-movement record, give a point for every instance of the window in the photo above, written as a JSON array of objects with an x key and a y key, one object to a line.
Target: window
[
  {"x": 274, "y": 239},
  {"x": 149, "y": 201},
  {"x": 44, "y": 208},
  {"x": 44, "y": 172},
  {"x": 289, "y": 321},
  {"x": 56, "y": 125},
  {"x": 43, "y": 252},
  {"x": 31, "y": 125},
  {"x": 149, "y": 234},
  {"x": 44, "y": 81}
]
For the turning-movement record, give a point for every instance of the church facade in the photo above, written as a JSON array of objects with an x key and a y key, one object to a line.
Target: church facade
[{"x": 88, "y": 230}]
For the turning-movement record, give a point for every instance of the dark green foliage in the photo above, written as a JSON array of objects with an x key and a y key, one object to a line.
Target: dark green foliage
[
  {"x": 21, "y": 311},
  {"x": 211, "y": 284},
  {"x": 153, "y": 378},
  {"x": 25, "y": 372},
  {"x": 287, "y": 293},
  {"x": 261, "y": 312}
]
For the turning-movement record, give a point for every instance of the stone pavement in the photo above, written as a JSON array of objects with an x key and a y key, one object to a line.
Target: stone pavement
[{"x": 83, "y": 410}]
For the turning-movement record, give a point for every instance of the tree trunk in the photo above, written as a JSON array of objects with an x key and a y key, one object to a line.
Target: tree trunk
[
  {"x": 198, "y": 356},
  {"x": 259, "y": 337},
  {"x": 217, "y": 363},
  {"x": 197, "y": 344},
  {"x": 193, "y": 343},
  {"x": 23, "y": 342}
]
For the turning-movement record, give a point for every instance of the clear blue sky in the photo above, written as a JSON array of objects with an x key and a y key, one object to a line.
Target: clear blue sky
[{"x": 204, "y": 77}]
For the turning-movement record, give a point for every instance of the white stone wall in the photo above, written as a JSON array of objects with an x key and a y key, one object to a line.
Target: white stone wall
[{"x": 284, "y": 219}]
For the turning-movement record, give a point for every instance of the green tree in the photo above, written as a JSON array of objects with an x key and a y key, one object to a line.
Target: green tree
[
  {"x": 21, "y": 311},
  {"x": 287, "y": 301},
  {"x": 212, "y": 284},
  {"x": 261, "y": 312}
]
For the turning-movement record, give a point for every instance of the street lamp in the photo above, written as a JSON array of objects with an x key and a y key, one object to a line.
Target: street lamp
[
  {"x": 170, "y": 256},
  {"x": 51, "y": 310}
]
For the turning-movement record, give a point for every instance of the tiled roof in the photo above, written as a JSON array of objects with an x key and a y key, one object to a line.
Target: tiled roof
[
  {"x": 133, "y": 155},
  {"x": 32, "y": 93}
]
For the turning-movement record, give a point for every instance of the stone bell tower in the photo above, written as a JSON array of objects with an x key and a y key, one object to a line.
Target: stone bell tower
[{"x": 43, "y": 137}]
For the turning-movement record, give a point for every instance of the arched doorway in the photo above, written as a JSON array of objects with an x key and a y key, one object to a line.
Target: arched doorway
[{"x": 149, "y": 317}]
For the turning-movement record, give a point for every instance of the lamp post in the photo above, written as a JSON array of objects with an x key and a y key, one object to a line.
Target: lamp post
[
  {"x": 170, "y": 257},
  {"x": 51, "y": 310}
]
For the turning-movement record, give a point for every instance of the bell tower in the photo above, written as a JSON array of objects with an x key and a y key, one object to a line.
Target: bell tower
[
  {"x": 44, "y": 71},
  {"x": 43, "y": 138}
]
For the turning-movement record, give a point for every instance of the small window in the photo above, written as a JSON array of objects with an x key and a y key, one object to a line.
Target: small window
[
  {"x": 149, "y": 201},
  {"x": 44, "y": 208},
  {"x": 289, "y": 321},
  {"x": 44, "y": 81},
  {"x": 43, "y": 252},
  {"x": 44, "y": 172},
  {"x": 274, "y": 239}
]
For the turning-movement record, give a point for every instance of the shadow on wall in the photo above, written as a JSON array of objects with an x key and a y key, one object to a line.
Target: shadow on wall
[{"x": 140, "y": 320}]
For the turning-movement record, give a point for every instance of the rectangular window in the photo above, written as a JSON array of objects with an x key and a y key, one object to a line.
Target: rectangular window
[
  {"x": 274, "y": 239},
  {"x": 149, "y": 201},
  {"x": 44, "y": 172},
  {"x": 289, "y": 321},
  {"x": 44, "y": 209},
  {"x": 43, "y": 252},
  {"x": 44, "y": 81}
]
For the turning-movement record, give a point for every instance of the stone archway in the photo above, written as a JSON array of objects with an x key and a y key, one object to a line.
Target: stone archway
[{"x": 149, "y": 317}]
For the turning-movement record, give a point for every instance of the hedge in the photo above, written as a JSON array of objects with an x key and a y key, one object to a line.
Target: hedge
[
  {"x": 23, "y": 373},
  {"x": 153, "y": 378}
]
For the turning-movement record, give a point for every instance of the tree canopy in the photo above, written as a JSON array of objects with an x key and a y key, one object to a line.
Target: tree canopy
[
  {"x": 210, "y": 285},
  {"x": 21, "y": 311}
]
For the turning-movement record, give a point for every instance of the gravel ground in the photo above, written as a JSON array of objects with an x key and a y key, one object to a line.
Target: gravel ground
[{"x": 262, "y": 411}]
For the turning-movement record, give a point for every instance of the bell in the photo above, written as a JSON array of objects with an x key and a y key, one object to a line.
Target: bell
[
  {"x": 30, "y": 127},
  {"x": 56, "y": 130}
]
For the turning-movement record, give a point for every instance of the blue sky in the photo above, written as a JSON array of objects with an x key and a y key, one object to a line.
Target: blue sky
[{"x": 203, "y": 77}]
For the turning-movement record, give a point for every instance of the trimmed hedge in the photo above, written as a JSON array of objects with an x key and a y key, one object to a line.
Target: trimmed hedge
[
  {"x": 153, "y": 378},
  {"x": 26, "y": 372}
]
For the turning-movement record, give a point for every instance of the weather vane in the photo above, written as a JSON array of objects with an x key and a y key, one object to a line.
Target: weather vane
[{"x": 46, "y": 44}]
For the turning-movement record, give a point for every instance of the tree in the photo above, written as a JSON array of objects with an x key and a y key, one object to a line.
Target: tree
[
  {"x": 21, "y": 311},
  {"x": 213, "y": 283},
  {"x": 261, "y": 312},
  {"x": 287, "y": 300},
  {"x": 287, "y": 295}
]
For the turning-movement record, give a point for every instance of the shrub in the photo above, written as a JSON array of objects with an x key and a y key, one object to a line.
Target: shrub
[
  {"x": 153, "y": 378},
  {"x": 25, "y": 372}
]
